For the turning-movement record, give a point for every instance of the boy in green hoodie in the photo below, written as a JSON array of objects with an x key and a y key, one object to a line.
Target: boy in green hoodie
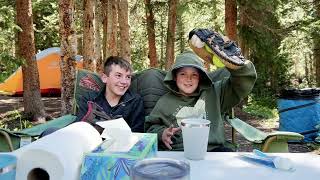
[{"x": 188, "y": 82}]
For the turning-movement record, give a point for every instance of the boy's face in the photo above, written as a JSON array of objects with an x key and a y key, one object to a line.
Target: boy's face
[
  {"x": 187, "y": 79},
  {"x": 118, "y": 81}
]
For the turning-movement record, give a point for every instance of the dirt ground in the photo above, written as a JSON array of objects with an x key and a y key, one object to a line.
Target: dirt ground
[{"x": 52, "y": 107}]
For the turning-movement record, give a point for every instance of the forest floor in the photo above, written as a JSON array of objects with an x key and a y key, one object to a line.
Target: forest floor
[{"x": 14, "y": 105}]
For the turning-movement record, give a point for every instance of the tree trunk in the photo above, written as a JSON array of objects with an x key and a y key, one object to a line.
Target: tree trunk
[
  {"x": 33, "y": 105},
  {"x": 231, "y": 30},
  {"x": 151, "y": 35},
  {"x": 172, "y": 19},
  {"x": 306, "y": 69},
  {"x": 112, "y": 43},
  {"x": 80, "y": 44},
  {"x": 104, "y": 11},
  {"x": 231, "y": 19},
  {"x": 316, "y": 42},
  {"x": 68, "y": 52},
  {"x": 89, "y": 57},
  {"x": 181, "y": 33},
  {"x": 99, "y": 64},
  {"x": 243, "y": 24},
  {"x": 311, "y": 70},
  {"x": 124, "y": 44},
  {"x": 162, "y": 44}
]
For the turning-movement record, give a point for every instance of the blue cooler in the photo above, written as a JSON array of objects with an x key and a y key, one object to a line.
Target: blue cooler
[
  {"x": 299, "y": 111},
  {"x": 7, "y": 167}
]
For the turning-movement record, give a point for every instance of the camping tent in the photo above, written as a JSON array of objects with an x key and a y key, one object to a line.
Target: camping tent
[{"x": 49, "y": 74}]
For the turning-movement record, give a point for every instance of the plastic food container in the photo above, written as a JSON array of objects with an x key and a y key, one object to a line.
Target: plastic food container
[{"x": 160, "y": 168}]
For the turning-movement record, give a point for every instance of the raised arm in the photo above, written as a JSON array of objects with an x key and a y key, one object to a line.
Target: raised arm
[{"x": 237, "y": 86}]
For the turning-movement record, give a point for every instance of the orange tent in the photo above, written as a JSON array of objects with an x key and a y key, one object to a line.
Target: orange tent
[{"x": 49, "y": 74}]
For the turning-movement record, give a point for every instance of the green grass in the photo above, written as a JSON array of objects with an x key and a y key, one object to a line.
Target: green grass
[{"x": 261, "y": 111}]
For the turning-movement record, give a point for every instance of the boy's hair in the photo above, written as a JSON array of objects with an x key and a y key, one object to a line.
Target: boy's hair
[{"x": 116, "y": 60}]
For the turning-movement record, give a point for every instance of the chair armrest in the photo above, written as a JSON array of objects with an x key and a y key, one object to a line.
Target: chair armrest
[
  {"x": 287, "y": 136},
  {"x": 57, "y": 123},
  {"x": 268, "y": 142},
  {"x": 10, "y": 140},
  {"x": 249, "y": 132},
  {"x": 278, "y": 141}
]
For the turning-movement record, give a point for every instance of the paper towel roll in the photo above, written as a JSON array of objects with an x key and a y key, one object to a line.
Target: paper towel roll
[{"x": 57, "y": 156}]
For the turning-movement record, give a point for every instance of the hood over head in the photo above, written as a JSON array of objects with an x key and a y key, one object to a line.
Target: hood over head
[{"x": 187, "y": 59}]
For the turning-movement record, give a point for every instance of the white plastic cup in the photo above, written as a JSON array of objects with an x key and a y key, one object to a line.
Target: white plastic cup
[{"x": 195, "y": 133}]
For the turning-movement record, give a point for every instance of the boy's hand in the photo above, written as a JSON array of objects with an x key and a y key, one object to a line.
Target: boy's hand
[{"x": 167, "y": 134}]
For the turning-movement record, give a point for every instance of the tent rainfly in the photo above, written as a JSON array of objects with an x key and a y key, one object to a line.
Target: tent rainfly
[{"x": 49, "y": 74}]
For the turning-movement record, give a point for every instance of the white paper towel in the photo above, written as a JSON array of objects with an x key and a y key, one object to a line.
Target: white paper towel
[{"x": 57, "y": 156}]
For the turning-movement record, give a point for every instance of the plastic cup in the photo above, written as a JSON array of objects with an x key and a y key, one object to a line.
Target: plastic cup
[{"x": 195, "y": 133}]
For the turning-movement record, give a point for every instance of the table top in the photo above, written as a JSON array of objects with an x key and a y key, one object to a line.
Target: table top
[{"x": 230, "y": 165}]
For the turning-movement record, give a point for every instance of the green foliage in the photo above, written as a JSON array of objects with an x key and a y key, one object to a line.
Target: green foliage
[
  {"x": 314, "y": 147},
  {"x": 193, "y": 14},
  {"x": 262, "y": 34},
  {"x": 138, "y": 39},
  {"x": 13, "y": 120},
  {"x": 280, "y": 35},
  {"x": 260, "y": 111},
  {"x": 8, "y": 64},
  {"x": 204, "y": 14},
  {"x": 46, "y": 20},
  {"x": 8, "y": 29},
  {"x": 299, "y": 24},
  {"x": 45, "y": 16}
]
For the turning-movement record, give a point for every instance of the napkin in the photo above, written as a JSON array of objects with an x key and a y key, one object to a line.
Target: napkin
[
  {"x": 119, "y": 135},
  {"x": 197, "y": 112}
]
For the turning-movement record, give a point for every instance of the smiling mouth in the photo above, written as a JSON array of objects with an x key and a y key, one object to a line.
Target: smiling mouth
[{"x": 122, "y": 88}]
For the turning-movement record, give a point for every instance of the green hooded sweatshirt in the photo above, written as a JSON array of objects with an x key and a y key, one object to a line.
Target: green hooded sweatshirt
[{"x": 219, "y": 97}]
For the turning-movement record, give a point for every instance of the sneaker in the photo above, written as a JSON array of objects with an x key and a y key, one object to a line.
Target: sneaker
[{"x": 227, "y": 51}]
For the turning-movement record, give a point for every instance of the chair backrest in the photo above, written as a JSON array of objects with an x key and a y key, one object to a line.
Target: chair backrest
[
  {"x": 88, "y": 85},
  {"x": 148, "y": 83}
]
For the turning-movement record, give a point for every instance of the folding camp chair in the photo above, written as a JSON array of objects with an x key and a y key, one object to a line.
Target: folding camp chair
[
  {"x": 12, "y": 140},
  {"x": 87, "y": 84}
]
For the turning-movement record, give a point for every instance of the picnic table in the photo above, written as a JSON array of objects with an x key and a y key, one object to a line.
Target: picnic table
[{"x": 229, "y": 165}]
